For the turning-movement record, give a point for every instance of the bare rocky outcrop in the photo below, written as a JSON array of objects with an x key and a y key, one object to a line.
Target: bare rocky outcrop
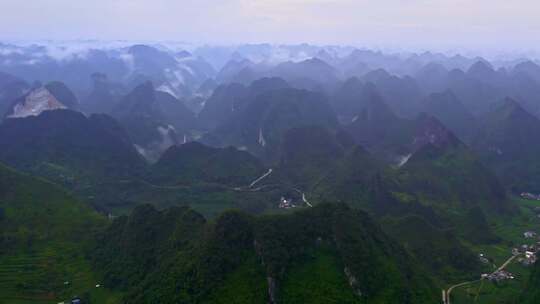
[
  {"x": 35, "y": 102},
  {"x": 353, "y": 281},
  {"x": 271, "y": 290}
]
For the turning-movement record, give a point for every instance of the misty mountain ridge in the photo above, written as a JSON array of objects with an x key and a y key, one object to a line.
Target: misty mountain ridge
[{"x": 353, "y": 175}]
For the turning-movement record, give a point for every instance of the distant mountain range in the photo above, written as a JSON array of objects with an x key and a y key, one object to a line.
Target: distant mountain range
[{"x": 356, "y": 176}]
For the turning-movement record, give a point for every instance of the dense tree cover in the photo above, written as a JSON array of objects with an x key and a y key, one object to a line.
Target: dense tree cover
[
  {"x": 504, "y": 142},
  {"x": 229, "y": 100},
  {"x": 184, "y": 259},
  {"x": 94, "y": 157},
  {"x": 307, "y": 154},
  {"x": 452, "y": 176},
  {"x": 438, "y": 250},
  {"x": 531, "y": 294},
  {"x": 260, "y": 124},
  {"x": 37, "y": 211},
  {"x": 371, "y": 122},
  {"x": 194, "y": 162},
  {"x": 446, "y": 107},
  {"x": 79, "y": 147},
  {"x": 432, "y": 193},
  {"x": 476, "y": 229}
]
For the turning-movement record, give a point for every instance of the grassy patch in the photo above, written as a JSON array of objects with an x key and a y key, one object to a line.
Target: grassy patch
[{"x": 319, "y": 279}]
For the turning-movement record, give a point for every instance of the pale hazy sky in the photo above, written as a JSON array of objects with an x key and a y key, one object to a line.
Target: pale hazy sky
[{"x": 474, "y": 24}]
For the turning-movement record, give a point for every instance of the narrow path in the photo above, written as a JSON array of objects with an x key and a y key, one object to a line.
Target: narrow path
[
  {"x": 456, "y": 286},
  {"x": 260, "y": 178},
  {"x": 508, "y": 261},
  {"x": 305, "y": 200}
]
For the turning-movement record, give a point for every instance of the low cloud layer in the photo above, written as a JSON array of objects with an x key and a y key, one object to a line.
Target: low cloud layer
[{"x": 441, "y": 24}]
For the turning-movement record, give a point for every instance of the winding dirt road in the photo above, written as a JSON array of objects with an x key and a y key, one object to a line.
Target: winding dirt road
[
  {"x": 260, "y": 178},
  {"x": 508, "y": 261}
]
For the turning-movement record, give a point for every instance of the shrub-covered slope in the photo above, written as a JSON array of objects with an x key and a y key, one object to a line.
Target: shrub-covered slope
[
  {"x": 175, "y": 256},
  {"x": 68, "y": 147},
  {"x": 43, "y": 236}
]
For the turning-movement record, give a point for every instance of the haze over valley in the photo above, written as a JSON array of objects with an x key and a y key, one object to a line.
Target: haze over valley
[{"x": 269, "y": 152}]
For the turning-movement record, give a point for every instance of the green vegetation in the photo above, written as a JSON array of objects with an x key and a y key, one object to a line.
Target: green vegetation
[
  {"x": 476, "y": 229},
  {"x": 452, "y": 177},
  {"x": 70, "y": 149},
  {"x": 193, "y": 162},
  {"x": 510, "y": 230},
  {"x": 438, "y": 250},
  {"x": 94, "y": 158},
  {"x": 184, "y": 259},
  {"x": 439, "y": 210},
  {"x": 318, "y": 279},
  {"x": 247, "y": 284},
  {"x": 45, "y": 235},
  {"x": 531, "y": 292},
  {"x": 267, "y": 116},
  {"x": 504, "y": 143}
]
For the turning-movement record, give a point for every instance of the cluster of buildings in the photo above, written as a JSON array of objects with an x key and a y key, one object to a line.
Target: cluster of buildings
[
  {"x": 525, "y": 254},
  {"x": 75, "y": 300},
  {"x": 529, "y": 234},
  {"x": 529, "y": 259},
  {"x": 498, "y": 276},
  {"x": 286, "y": 203},
  {"x": 483, "y": 259},
  {"x": 528, "y": 251},
  {"x": 530, "y": 196}
]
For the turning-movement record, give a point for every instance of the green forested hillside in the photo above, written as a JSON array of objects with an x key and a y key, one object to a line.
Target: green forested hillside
[
  {"x": 44, "y": 237},
  {"x": 454, "y": 177},
  {"x": 236, "y": 258},
  {"x": 193, "y": 173},
  {"x": 505, "y": 142},
  {"x": 439, "y": 250},
  {"x": 194, "y": 163},
  {"x": 531, "y": 295}
]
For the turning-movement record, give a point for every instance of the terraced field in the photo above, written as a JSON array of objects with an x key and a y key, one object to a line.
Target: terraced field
[
  {"x": 44, "y": 233},
  {"x": 51, "y": 275}
]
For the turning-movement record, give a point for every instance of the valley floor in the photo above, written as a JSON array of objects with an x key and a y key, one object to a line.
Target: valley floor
[
  {"x": 70, "y": 275},
  {"x": 511, "y": 231}
]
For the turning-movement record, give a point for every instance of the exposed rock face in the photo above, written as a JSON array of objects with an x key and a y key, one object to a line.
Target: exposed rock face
[
  {"x": 37, "y": 101},
  {"x": 153, "y": 150},
  {"x": 262, "y": 142},
  {"x": 271, "y": 290},
  {"x": 430, "y": 131},
  {"x": 154, "y": 120},
  {"x": 402, "y": 160},
  {"x": 353, "y": 282}
]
